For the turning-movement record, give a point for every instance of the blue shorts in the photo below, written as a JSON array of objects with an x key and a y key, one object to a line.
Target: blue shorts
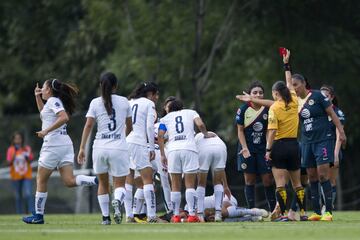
[
  {"x": 315, "y": 154},
  {"x": 255, "y": 164}
]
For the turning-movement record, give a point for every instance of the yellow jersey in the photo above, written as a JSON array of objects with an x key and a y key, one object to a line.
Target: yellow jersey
[{"x": 284, "y": 119}]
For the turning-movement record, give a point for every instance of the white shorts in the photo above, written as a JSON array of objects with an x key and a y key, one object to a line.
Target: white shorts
[
  {"x": 139, "y": 156},
  {"x": 113, "y": 161},
  {"x": 213, "y": 157},
  {"x": 52, "y": 157},
  {"x": 183, "y": 161}
]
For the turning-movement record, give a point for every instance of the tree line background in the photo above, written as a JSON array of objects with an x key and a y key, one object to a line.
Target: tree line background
[{"x": 203, "y": 51}]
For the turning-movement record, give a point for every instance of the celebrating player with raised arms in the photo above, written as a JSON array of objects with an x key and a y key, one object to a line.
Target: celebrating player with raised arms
[
  {"x": 112, "y": 113},
  {"x": 57, "y": 151},
  {"x": 182, "y": 157}
]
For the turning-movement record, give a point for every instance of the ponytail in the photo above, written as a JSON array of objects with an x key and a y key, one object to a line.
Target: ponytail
[
  {"x": 284, "y": 92},
  {"x": 108, "y": 81},
  {"x": 143, "y": 89},
  {"x": 66, "y": 92}
]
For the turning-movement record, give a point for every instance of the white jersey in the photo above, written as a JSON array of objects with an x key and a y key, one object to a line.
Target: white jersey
[
  {"x": 203, "y": 143},
  {"x": 110, "y": 129},
  {"x": 209, "y": 201},
  {"x": 48, "y": 115},
  {"x": 143, "y": 118},
  {"x": 180, "y": 128}
]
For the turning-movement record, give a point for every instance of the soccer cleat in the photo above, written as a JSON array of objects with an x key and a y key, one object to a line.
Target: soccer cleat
[
  {"x": 281, "y": 219},
  {"x": 303, "y": 218},
  {"x": 34, "y": 219},
  {"x": 201, "y": 217},
  {"x": 167, "y": 216},
  {"x": 106, "y": 220},
  {"x": 314, "y": 217},
  {"x": 138, "y": 219},
  {"x": 193, "y": 219},
  {"x": 156, "y": 220},
  {"x": 176, "y": 219},
  {"x": 130, "y": 220},
  {"x": 323, "y": 209},
  {"x": 218, "y": 216},
  {"x": 327, "y": 216},
  {"x": 117, "y": 207}
]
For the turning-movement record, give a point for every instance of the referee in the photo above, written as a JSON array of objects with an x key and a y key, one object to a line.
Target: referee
[{"x": 282, "y": 148}]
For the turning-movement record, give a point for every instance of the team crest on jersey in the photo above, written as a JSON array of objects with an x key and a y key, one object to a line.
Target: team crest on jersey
[
  {"x": 244, "y": 166},
  {"x": 258, "y": 127},
  {"x": 311, "y": 102},
  {"x": 305, "y": 113},
  {"x": 265, "y": 116},
  {"x": 57, "y": 104},
  {"x": 238, "y": 111}
]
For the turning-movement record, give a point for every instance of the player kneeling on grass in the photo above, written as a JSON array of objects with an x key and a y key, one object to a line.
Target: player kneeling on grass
[
  {"x": 57, "y": 150},
  {"x": 182, "y": 157},
  {"x": 112, "y": 114}
]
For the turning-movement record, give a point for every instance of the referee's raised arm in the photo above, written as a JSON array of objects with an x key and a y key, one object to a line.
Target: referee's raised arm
[{"x": 286, "y": 59}]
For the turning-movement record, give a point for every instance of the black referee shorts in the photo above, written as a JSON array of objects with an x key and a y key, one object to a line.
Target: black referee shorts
[{"x": 285, "y": 154}]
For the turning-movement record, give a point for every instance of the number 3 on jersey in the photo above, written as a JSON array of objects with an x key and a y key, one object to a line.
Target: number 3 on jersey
[
  {"x": 112, "y": 125},
  {"x": 179, "y": 124}
]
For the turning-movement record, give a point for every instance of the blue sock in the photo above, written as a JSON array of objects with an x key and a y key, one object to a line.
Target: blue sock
[
  {"x": 326, "y": 186},
  {"x": 250, "y": 195},
  {"x": 333, "y": 188},
  {"x": 270, "y": 196},
  {"x": 315, "y": 196}
]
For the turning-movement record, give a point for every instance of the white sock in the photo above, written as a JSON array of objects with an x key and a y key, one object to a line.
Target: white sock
[
  {"x": 40, "y": 200},
  {"x": 218, "y": 193},
  {"x": 167, "y": 190},
  {"x": 239, "y": 212},
  {"x": 128, "y": 200},
  {"x": 143, "y": 209},
  {"x": 82, "y": 180},
  {"x": 138, "y": 201},
  {"x": 104, "y": 204},
  {"x": 201, "y": 196},
  {"x": 176, "y": 200},
  {"x": 119, "y": 194},
  {"x": 191, "y": 200},
  {"x": 150, "y": 200}
]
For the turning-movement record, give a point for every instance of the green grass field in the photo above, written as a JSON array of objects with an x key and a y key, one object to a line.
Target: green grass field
[{"x": 86, "y": 227}]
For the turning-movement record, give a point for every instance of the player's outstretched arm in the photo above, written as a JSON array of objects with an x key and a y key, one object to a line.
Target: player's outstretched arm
[{"x": 245, "y": 97}]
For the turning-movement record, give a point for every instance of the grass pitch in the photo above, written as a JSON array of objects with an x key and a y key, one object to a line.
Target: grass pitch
[{"x": 346, "y": 225}]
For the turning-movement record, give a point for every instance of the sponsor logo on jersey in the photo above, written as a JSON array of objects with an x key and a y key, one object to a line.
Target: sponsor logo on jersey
[
  {"x": 305, "y": 113},
  {"x": 258, "y": 127},
  {"x": 57, "y": 104}
]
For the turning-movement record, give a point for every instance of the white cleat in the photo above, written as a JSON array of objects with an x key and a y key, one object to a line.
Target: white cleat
[{"x": 218, "y": 216}]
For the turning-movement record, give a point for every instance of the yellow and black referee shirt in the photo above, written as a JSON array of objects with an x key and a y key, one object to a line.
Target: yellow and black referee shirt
[{"x": 284, "y": 119}]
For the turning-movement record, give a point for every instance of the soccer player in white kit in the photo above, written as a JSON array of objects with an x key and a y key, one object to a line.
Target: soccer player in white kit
[
  {"x": 212, "y": 155},
  {"x": 142, "y": 147},
  {"x": 57, "y": 150},
  {"x": 182, "y": 157},
  {"x": 112, "y": 113}
]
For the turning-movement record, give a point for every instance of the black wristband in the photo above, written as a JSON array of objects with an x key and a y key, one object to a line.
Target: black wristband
[
  {"x": 286, "y": 66},
  {"x": 268, "y": 150}
]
